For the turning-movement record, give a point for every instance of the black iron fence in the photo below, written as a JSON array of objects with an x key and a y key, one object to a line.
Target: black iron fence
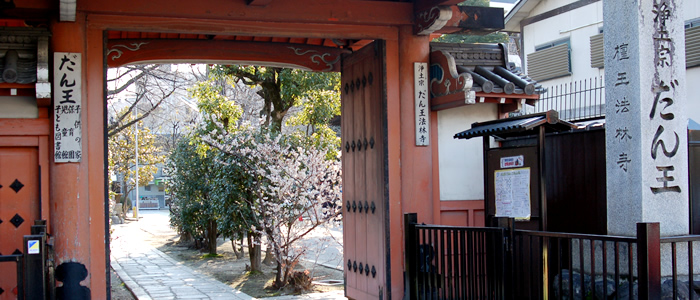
[
  {"x": 444, "y": 262},
  {"x": 575, "y": 101},
  {"x": 18, "y": 260},
  {"x": 681, "y": 265},
  {"x": 575, "y": 266},
  {"x": 34, "y": 267}
]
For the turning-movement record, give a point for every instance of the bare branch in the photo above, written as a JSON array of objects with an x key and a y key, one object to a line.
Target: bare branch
[
  {"x": 127, "y": 84},
  {"x": 144, "y": 115}
]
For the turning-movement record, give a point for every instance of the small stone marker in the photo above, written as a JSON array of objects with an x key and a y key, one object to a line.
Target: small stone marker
[{"x": 646, "y": 134}]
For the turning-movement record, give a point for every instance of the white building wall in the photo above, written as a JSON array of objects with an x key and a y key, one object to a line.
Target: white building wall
[
  {"x": 579, "y": 25},
  {"x": 547, "y": 5},
  {"x": 461, "y": 161},
  {"x": 693, "y": 94},
  {"x": 691, "y": 9},
  {"x": 18, "y": 107}
]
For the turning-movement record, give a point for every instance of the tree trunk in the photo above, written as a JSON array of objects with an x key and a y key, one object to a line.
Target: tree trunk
[
  {"x": 235, "y": 248},
  {"x": 269, "y": 257},
  {"x": 255, "y": 252},
  {"x": 211, "y": 237},
  {"x": 278, "y": 277},
  {"x": 276, "y": 123},
  {"x": 239, "y": 253},
  {"x": 288, "y": 270},
  {"x": 185, "y": 237}
]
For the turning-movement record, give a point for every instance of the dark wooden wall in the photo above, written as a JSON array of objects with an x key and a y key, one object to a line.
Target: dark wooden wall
[
  {"x": 575, "y": 179},
  {"x": 576, "y": 183},
  {"x": 694, "y": 179}
]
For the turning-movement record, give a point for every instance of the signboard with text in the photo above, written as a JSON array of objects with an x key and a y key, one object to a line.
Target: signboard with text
[
  {"x": 67, "y": 105},
  {"x": 422, "y": 109},
  {"x": 512, "y": 190}
]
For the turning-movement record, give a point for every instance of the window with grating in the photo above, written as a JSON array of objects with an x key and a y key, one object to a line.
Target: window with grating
[
  {"x": 549, "y": 62},
  {"x": 597, "y": 51},
  {"x": 692, "y": 47}
]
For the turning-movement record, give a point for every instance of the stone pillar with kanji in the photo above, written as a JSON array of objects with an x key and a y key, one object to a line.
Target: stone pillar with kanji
[{"x": 646, "y": 135}]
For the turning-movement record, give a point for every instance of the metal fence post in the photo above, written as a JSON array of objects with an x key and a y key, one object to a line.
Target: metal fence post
[
  {"x": 410, "y": 262},
  {"x": 506, "y": 260},
  {"x": 35, "y": 266},
  {"x": 649, "y": 260}
]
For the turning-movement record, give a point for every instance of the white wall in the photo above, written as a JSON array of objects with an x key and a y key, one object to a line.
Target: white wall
[
  {"x": 461, "y": 161},
  {"x": 18, "y": 107},
  {"x": 577, "y": 25},
  {"x": 693, "y": 94},
  {"x": 691, "y": 9},
  {"x": 547, "y": 5}
]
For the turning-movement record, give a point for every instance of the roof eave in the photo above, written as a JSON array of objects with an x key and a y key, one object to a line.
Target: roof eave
[
  {"x": 518, "y": 13},
  {"x": 549, "y": 119}
]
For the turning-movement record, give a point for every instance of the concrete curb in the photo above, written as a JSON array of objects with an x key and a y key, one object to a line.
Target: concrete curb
[
  {"x": 130, "y": 284},
  {"x": 326, "y": 265}
]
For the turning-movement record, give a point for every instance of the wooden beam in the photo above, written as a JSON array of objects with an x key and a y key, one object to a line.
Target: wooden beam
[
  {"x": 432, "y": 20},
  {"x": 422, "y": 5},
  {"x": 258, "y": 2},
  {"x": 241, "y": 28},
  {"x": 28, "y": 10},
  {"x": 496, "y": 96},
  {"x": 474, "y": 20},
  {"x": 457, "y": 100},
  {"x": 25, "y": 127},
  {"x": 459, "y": 19},
  {"x": 448, "y": 101},
  {"x": 307, "y": 11},
  {"x": 316, "y": 58}
]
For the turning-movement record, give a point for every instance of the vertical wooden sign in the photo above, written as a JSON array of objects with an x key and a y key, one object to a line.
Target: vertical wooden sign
[
  {"x": 67, "y": 106},
  {"x": 421, "y": 103}
]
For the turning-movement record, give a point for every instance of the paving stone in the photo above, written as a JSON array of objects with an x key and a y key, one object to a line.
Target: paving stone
[{"x": 152, "y": 274}]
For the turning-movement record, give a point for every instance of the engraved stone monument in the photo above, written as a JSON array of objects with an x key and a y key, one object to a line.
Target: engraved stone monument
[{"x": 646, "y": 135}]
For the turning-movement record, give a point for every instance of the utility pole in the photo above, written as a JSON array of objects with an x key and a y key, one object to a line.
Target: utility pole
[{"x": 136, "y": 148}]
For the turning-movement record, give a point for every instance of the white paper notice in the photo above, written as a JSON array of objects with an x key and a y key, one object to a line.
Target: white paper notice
[{"x": 513, "y": 193}]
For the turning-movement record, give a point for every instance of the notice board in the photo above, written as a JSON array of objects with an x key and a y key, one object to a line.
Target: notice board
[{"x": 512, "y": 185}]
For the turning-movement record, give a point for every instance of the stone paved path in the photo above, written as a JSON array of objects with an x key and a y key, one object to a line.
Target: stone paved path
[{"x": 152, "y": 274}]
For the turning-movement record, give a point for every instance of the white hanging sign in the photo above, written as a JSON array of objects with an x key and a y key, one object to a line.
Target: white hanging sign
[
  {"x": 512, "y": 161},
  {"x": 67, "y": 105},
  {"x": 513, "y": 193},
  {"x": 422, "y": 109}
]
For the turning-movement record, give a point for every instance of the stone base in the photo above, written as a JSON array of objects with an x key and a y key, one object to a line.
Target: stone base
[
  {"x": 682, "y": 265},
  {"x": 613, "y": 291}
]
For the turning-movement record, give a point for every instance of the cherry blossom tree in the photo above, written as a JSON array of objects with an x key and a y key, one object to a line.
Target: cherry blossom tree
[
  {"x": 296, "y": 189},
  {"x": 276, "y": 186}
]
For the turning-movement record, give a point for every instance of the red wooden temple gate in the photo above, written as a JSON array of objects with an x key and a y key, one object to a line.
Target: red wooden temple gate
[{"x": 385, "y": 173}]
